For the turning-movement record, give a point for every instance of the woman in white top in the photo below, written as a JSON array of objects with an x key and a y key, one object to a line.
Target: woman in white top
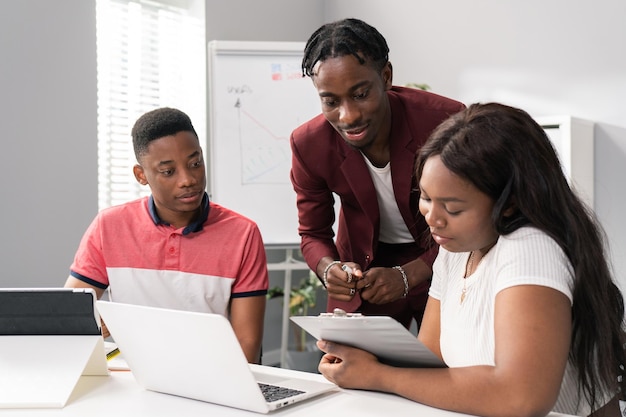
[{"x": 522, "y": 306}]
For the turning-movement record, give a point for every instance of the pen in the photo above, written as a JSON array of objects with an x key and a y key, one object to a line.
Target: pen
[{"x": 113, "y": 354}]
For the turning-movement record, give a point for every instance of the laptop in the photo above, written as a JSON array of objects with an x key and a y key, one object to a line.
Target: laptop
[
  {"x": 197, "y": 355},
  {"x": 49, "y": 337}
]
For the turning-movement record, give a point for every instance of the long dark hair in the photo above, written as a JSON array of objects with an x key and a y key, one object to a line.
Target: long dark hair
[{"x": 508, "y": 156}]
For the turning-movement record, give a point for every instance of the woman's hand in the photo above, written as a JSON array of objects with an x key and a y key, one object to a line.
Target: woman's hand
[{"x": 348, "y": 367}]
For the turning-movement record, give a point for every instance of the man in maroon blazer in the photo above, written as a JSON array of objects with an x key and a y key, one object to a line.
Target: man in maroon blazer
[{"x": 362, "y": 149}]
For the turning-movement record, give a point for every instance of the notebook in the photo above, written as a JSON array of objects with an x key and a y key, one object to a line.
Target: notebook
[
  {"x": 198, "y": 356},
  {"x": 49, "y": 337}
]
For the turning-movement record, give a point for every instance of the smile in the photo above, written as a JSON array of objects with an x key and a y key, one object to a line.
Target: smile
[{"x": 355, "y": 134}]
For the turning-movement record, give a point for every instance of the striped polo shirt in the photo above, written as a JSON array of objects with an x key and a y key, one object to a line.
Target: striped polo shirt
[{"x": 145, "y": 261}]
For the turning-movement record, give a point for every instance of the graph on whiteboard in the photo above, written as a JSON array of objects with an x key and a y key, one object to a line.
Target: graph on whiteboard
[
  {"x": 266, "y": 157},
  {"x": 266, "y": 112},
  {"x": 257, "y": 97}
]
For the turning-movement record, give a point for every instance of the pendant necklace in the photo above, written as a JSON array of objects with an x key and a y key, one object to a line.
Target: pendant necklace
[
  {"x": 470, "y": 264},
  {"x": 470, "y": 268}
]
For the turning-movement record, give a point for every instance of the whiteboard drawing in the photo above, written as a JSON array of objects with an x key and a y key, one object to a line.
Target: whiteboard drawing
[{"x": 257, "y": 97}]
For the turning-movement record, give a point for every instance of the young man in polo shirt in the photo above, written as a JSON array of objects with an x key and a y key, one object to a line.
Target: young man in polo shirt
[{"x": 176, "y": 249}]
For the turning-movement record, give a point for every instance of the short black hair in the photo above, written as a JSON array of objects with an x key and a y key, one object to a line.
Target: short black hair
[
  {"x": 156, "y": 124},
  {"x": 345, "y": 37}
]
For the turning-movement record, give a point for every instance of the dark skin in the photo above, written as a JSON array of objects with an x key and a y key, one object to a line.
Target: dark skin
[{"x": 355, "y": 103}]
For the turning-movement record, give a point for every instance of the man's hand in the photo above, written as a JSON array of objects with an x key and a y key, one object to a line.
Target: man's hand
[
  {"x": 341, "y": 279},
  {"x": 105, "y": 330},
  {"x": 381, "y": 285}
]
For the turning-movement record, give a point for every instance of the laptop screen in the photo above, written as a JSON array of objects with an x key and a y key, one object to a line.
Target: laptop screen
[{"x": 54, "y": 311}]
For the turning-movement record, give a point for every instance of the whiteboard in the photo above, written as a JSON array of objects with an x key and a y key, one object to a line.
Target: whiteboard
[{"x": 257, "y": 97}]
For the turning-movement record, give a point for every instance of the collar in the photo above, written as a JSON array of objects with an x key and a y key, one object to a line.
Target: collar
[{"x": 194, "y": 226}]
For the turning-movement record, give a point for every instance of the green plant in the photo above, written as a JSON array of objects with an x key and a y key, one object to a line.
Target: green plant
[
  {"x": 424, "y": 87},
  {"x": 301, "y": 299}
]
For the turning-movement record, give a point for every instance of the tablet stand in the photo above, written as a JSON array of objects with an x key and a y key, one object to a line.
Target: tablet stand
[{"x": 42, "y": 371}]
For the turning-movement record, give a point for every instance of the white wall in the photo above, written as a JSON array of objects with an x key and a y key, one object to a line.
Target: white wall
[
  {"x": 547, "y": 57},
  {"x": 262, "y": 20},
  {"x": 48, "y": 126}
]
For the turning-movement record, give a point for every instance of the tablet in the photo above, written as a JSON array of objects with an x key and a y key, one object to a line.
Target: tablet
[
  {"x": 382, "y": 336},
  {"x": 48, "y": 311},
  {"x": 49, "y": 337}
]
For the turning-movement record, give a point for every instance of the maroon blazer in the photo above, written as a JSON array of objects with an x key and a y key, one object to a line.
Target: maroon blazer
[{"x": 323, "y": 164}]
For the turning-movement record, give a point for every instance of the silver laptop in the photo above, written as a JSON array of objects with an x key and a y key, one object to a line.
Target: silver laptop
[{"x": 197, "y": 355}]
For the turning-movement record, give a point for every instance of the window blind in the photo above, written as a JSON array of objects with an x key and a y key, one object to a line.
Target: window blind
[{"x": 150, "y": 54}]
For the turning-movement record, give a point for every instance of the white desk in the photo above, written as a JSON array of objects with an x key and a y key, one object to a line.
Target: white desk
[{"x": 120, "y": 395}]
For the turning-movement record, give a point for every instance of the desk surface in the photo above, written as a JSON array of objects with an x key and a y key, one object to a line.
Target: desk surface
[{"x": 119, "y": 394}]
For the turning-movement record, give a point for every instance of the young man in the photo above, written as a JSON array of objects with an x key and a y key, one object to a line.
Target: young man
[
  {"x": 176, "y": 249},
  {"x": 362, "y": 148}
]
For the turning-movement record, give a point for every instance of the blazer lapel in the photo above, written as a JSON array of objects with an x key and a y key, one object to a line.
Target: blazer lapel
[
  {"x": 358, "y": 177},
  {"x": 403, "y": 149}
]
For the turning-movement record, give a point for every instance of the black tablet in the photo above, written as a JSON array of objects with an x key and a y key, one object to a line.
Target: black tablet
[{"x": 48, "y": 311}]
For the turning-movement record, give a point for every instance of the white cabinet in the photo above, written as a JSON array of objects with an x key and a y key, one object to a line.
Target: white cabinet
[{"x": 573, "y": 139}]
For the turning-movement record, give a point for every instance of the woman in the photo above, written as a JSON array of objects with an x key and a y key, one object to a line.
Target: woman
[{"x": 522, "y": 306}]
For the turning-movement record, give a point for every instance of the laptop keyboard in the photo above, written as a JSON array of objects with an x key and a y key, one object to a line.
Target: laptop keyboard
[{"x": 274, "y": 392}]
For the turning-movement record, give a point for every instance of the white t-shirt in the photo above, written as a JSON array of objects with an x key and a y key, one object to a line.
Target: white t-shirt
[
  {"x": 392, "y": 226},
  {"x": 526, "y": 256}
]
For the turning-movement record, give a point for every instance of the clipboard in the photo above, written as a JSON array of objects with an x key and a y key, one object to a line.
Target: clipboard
[{"x": 382, "y": 336}]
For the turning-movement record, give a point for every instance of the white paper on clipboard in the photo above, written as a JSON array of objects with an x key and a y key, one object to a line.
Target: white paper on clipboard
[{"x": 382, "y": 336}]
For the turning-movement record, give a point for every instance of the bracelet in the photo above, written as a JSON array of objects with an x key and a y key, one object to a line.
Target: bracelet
[
  {"x": 325, "y": 276},
  {"x": 404, "y": 279}
]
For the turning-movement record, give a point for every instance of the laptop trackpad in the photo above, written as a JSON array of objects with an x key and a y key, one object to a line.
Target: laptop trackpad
[{"x": 268, "y": 378}]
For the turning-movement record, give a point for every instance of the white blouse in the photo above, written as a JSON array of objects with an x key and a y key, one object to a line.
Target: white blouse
[{"x": 526, "y": 256}]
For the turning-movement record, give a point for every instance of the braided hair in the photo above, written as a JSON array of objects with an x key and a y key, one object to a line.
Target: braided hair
[{"x": 345, "y": 37}]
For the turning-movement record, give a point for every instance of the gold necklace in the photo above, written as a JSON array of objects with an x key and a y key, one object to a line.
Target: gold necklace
[{"x": 468, "y": 269}]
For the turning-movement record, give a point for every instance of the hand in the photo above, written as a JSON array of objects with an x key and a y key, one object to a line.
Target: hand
[
  {"x": 346, "y": 366},
  {"x": 341, "y": 280},
  {"x": 381, "y": 285},
  {"x": 105, "y": 330}
]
